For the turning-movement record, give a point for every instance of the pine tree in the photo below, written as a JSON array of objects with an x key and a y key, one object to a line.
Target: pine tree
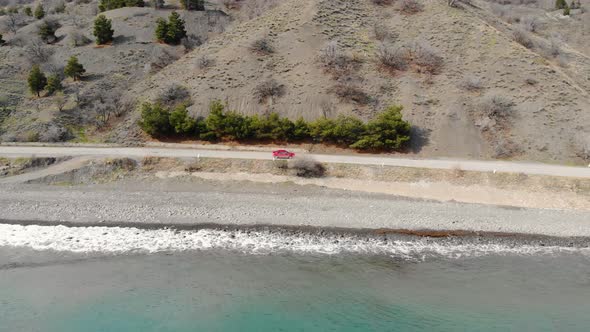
[
  {"x": 176, "y": 29},
  {"x": 28, "y": 11},
  {"x": 39, "y": 12},
  {"x": 37, "y": 80},
  {"x": 74, "y": 69},
  {"x": 53, "y": 84},
  {"x": 161, "y": 30},
  {"x": 193, "y": 4},
  {"x": 566, "y": 10},
  {"x": 103, "y": 30},
  {"x": 560, "y": 4}
]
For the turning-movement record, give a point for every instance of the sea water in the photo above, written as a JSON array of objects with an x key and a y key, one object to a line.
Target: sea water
[{"x": 108, "y": 279}]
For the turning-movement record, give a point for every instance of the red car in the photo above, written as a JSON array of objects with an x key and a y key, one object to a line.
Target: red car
[{"x": 282, "y": 154}]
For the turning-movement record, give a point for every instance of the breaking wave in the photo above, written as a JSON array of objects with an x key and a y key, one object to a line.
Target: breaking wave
[{"x": 120, "y": 240}]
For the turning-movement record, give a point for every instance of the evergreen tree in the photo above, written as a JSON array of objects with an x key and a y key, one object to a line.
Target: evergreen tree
[
  {"x": 566, "y": 10},
  {"x": 560, "y": 4},
  {"x": 161, "y": 30},
  {"x": 74, "y": 69},
  {"x": 37, "y": 80},
  {"x": 39, "y": 12},
  {"x": 28, "y": 11},
  {"x": 193, "y": 4},
  {"x": 53, "y": 84},
  {"x": 176, "y": 29},
  {"x": 155, "y": 120},
  {"x": 103, "y": 30}
]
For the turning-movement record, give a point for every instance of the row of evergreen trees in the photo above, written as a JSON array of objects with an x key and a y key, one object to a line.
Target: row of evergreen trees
[
  {"x": 387, "y": 131},
  {"x": 170, "y": 32},
  {"x": 104, "y": 5},
  {"x": 38, "y": 82}
]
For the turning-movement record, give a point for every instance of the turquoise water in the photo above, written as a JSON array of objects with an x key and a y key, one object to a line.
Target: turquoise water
[{"x": 228, "y": 291}]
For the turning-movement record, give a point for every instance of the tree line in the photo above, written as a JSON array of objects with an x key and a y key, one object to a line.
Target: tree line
[{"x": 386, "y": 132}]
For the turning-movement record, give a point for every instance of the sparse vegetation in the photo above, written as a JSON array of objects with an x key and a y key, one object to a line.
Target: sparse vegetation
[
  {"x": 337, "y": 62},
  {"x": 388, "y": 131},
  {"x": 349, "y": 89},
  {"x": 471, "y": 83},
  {"x": 383, "y": 33},
  {"x": 74, "y": 69},
  {"x": 205, "y": 62},
  {"x": 426, "y": 57},
  {"x": 103, "y": 30}
]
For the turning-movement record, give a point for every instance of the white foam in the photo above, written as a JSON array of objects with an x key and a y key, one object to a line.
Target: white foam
[{"x": 118, "y": 240}]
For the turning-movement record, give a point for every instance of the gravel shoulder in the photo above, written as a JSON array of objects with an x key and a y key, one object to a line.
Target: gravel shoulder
[{"x": 200, "y": 202}]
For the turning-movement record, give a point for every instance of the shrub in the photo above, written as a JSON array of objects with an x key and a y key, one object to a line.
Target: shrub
[
  {"x": 306, "y": 167},
  {"x": 2, "y": 41},
  {"x": 336, "y": 61},
  {"x": 193, "y": 4},
  {"x": 560, "y": 4},
  {"x": 529, "y": 23},
  {"x": 36, "y": 52},
  {"x": 262, "y": 46},
  {"x": 471, "y": 83},
  {"x": 566, "y": 10},
  {"x": 74, "y": 69},
  {"x": 496, "y": 106},
  {"x": 28, "y": 11},
  {"x": 190, "y": 42},
  {"x": 382, "y": 2},
  {"x": 78, "y": 39},
  {"x": 154, "y": 120},
  {"x": 383, "y": 33},
  {"x": 174, "y": 95},
  {"x": 39, "y": 11},
  {"x": 36, "y": 80},
  {"x": 103, "y": 30},
  {"x": 391, "y": 57},
  {"x": 410, "y": 6},
  {"x": 47, "y": 30},
  {"x": 205, "y": 62},
  {"x": 426, "y": 57},
  {"x": 269, "y": 89},
  {"x": 522, "y": 37}
]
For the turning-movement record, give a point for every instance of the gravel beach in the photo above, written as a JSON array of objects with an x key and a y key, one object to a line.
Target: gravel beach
[{"x": 196, "y": 202}]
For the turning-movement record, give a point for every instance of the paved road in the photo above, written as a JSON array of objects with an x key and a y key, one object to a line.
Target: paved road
[{"x": 139, "y": 152}]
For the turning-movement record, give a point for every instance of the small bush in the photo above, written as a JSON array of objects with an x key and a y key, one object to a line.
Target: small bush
[
  {"x": 529, "y": 23},
  {"x": 410, "y": 6},
  {"x": 174, "y": 95},
  {"x": 496, "y": 107},
  {"x": 190, "y": 42},
  {"x": 351, "y": 91},
  {"x": 472, "y": 83},
  {"x": 205, "y": 62},
  {"x": 383, "y": 33},
  {"x": 306, "y": 167},
  {"x": 47, "y": 30},
  {"x": 268, "y": 89},
  {"x": 337, "y": 62},
  {"x": 392, "y": 57},
  {"x": 523, "y": 38},
  {"x": 78, "y": 39},
  {"x": 262, "y": 46},
  {"x": 382, "y": 2},
  {"x": 426, "y": 57},
  {"x": 154, "y": 120}
]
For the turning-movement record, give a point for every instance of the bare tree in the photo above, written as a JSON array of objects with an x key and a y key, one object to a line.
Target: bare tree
[
  {"x": 13, "y": 22},
  {"x": 60, "y": 101},
  {"x": 36, "y": 52}
]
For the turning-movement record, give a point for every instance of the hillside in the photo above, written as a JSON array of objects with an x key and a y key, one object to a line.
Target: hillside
[{"x": 468, "y": 88}]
